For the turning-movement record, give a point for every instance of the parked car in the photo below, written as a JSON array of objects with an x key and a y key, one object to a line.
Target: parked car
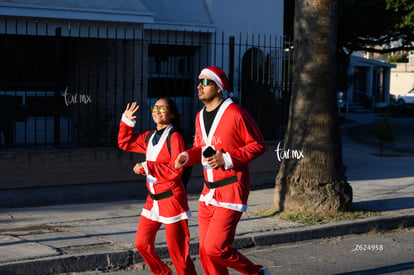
[{"x": 407, "y": 98}]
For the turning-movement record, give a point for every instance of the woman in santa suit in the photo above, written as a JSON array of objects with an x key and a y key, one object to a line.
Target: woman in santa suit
[
  {"x": 167, "y": 199},
  {"x": 226, "y": 140}
]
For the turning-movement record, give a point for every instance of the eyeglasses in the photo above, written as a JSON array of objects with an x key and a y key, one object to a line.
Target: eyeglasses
[
  {"x": 159, "y": 108},
  {"x": 206, "y": 82}
]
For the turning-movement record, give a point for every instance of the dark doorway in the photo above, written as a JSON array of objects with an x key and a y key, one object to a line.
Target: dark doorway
[{"x": 257, "y": 96}]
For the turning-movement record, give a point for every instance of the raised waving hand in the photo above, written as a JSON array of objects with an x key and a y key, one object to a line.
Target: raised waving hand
[{"x": 130, "y": 110}]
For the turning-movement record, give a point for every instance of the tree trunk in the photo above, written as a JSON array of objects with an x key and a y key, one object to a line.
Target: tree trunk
[{"x": 314, "y": 180}]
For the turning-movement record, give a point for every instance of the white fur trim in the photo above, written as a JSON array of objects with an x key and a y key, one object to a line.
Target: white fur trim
[
  {"x": 216, "y": 121},
  {"x": 154, "y": 215},
  {"x": 228, "y": 205},
  {"x": 127, "y": 121},
  {"x": 213, "y": 77},
  {"x": 153, "y": 151},
  {"x": 145, "y": 166},
  {"x": 185, "y": 154},
  {"x": 228, "y": 163}
]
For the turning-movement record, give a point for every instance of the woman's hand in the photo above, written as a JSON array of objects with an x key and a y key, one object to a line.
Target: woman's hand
[
  {"x": 131, "y": 110},
  {"x": 180, "y": 161},
  {"x": 137, "y": 168}
]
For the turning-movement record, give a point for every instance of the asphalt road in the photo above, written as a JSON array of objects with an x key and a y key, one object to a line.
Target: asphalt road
[
  {"x": 371, "y": 253},
  {"x": 352, "y": 254}
]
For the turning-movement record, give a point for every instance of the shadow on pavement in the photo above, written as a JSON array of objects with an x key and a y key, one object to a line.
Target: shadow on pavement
[
  {"x": 386, "y": 204},
  {"x": 383, "y": 269}
]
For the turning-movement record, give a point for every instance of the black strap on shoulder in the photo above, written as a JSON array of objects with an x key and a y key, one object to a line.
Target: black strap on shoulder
[
  {"x": 149, "y": 135},
  {"x": 169, "y": 139}
]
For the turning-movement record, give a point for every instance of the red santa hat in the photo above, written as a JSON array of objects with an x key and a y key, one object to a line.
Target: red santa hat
[{"x": 217, "y": 75}]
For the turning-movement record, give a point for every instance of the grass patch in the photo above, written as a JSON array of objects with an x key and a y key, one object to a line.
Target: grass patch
[
  {"x": 315, "y": 218},
  {"x": 375, "y": 230}
]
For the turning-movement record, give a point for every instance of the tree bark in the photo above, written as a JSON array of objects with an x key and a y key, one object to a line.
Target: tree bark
[{"x": 315, "y": 182}]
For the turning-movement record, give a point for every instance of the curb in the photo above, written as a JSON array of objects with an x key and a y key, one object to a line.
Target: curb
[
  {"x": 124, "y": 258},
  {"x": 336, "y": 229}
]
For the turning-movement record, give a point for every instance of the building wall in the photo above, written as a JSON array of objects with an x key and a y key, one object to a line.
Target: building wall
[
  {"x": 371, "y": 86},
  {"x": 242, "y": 18},
  {"x": 21, "y": 170},
  {"x": 401, "y": 82},
  {"x": 402, "y": 77},
  {"x": 68, "y": 176},
  {"x": 246, "y": 16}
]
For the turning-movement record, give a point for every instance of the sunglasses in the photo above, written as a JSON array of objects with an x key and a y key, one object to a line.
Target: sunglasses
[
  {"x": 206, "y": 82},
  {"x": 159, "y": 108}
]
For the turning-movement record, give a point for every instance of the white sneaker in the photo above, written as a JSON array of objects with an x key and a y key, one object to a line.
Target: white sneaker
[{"x": 264, "y": 271}]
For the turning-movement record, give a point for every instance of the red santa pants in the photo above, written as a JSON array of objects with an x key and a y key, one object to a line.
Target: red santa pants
[
  {"x": 217, "y": 228},
  {"x": 178, "y": 238}
]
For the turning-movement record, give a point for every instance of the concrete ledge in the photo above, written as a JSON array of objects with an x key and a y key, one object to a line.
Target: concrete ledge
[
  {"x": 81, "y": 193},
  {"x": 72, "y": 194},
  {"x": 335, "y": 229}
]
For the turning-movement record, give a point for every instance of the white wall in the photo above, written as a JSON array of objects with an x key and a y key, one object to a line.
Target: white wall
[
  {"x": 402, "y": 77},
  {"x": 243, "y": 18},
  {"x": 401, "y": 82},
  {"x": 247, "y": 16}
]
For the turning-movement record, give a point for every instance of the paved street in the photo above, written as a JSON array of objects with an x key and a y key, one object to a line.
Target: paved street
[
  {"x": 372, "y": 253},
  {"x": 352, "y": 254}
]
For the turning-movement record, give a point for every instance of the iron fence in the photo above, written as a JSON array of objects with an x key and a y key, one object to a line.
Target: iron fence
[{"x": 66, "y": 85}]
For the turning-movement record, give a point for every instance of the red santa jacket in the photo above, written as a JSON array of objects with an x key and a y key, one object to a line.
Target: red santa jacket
[
  {"x": 236, "y": 135},
  {"x": 160, "y": 172}
]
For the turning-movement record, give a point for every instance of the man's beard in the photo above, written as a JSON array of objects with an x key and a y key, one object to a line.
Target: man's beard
[{"x": 207, "y": 100}]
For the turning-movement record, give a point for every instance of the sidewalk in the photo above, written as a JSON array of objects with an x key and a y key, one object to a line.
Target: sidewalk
[{"x": 79, "y": 237}]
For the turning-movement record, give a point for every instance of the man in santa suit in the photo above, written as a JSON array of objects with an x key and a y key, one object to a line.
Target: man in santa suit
[{"x": 226, "y": 140}]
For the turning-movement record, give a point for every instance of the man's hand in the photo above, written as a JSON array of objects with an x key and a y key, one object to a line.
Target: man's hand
[
  {"x": 216, "y": 160},
  {"x": 180, "y": 161},
  {"x": 131, "y": 110},
  {"x": 137, "y": 168}
]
